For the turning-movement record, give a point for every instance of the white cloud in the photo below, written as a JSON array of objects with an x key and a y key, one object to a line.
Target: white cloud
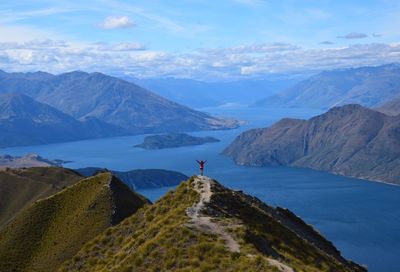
[
  {"x": 125, "y": 46},
  {"x": 224, "y": 63},
  {"x": 113, "y": 22}
]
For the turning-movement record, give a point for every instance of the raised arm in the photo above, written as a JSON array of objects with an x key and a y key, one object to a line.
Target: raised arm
[{"x": 198, "y": 161}]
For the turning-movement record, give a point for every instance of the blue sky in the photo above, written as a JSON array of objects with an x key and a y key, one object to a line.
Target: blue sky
[{"x": 219, "y": 39}]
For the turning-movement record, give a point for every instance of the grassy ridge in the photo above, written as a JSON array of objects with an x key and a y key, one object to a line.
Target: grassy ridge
[
  {"x": 159, "y": 238},
  {"x": 53, "y": 229},
  {"x": 21, "y": 187}
]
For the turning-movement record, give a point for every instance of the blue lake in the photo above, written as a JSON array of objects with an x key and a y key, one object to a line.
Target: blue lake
[{"x": 362, "y": 218}]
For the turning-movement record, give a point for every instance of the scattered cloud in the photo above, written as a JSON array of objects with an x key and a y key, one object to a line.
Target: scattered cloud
[
  {"x": 161, "y": 21},
  {"x": 255, "y": 48},
  {"x": 353, "y": 35},
  {"x": 114, "y": 22},
  {"x": 327, "y": 43},
  {"x": 376, "y": 35},
  {"x": 125, "y": 46},
  {"x": 257, "y": 60},
  {"x": 37, "y": 44}
]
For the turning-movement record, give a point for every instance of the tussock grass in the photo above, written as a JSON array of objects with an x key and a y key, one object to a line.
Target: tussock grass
[{"x": 53, "y": 229}]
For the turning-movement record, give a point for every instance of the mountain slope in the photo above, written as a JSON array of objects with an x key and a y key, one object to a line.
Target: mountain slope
[
  {"x": 24, "y": 121},
  {"x": 349, "y": 140},
  {"x": 19, "y": 188},
  {"x": 112, "y": 100},
  {"x": 203, "y": 226},
  {"x": 391, "y": 108},
  {"x": 368, "y": 86},
  {"x": 53, "y": 229},
  {"x": 141, "y": 178},
  {"x": 28, "y": 160}
]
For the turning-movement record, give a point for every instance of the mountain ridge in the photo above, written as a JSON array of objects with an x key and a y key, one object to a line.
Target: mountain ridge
[
  {"x": 112, "y": 100},
  {"x": 53, "y": 229},
  {"x": 391, "y": 108},
  {"x": 24, "y": 121},
  {"x": 370, "y": 86},
  {"x": 203, "y": 226},
  {"x": 19, "y": 188},
  {"x": 350, "y": 140}
]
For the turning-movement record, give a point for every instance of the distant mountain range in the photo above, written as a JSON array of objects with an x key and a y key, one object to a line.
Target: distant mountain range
[
  {"x": 350, "y": 140},
  {"x": 199, "y": 94},
  {"x": 80, "y": 105},
  {"x": 367, "y": 86},
  {"x": 391, "y": 108}
]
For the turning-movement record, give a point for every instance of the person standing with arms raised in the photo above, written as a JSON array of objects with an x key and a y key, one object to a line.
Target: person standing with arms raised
[{"x": 201, "y": 163}]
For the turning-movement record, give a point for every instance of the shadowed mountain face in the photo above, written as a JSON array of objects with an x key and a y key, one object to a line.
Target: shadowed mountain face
[
  {"x": 349, "y": 140},
  {"x": 203, "y": 226},
  {"x": 24, "y": 121},
  {"x": 52, "y": 230},
  {"x": 111, "y": 100},
  {"x": 391, "y": 107},
  {"x": 368, "y": 86}
]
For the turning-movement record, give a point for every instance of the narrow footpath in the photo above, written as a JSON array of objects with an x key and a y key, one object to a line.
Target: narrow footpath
[{"x": 204, "y": 223}]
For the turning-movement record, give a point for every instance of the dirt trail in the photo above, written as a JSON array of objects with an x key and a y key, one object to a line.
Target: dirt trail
[
  {"x": 281, "y": 266},
  {"x": 202, "y": 185}
]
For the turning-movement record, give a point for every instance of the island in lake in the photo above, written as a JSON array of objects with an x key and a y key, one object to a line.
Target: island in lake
[{"x": 173, "y": 140}]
